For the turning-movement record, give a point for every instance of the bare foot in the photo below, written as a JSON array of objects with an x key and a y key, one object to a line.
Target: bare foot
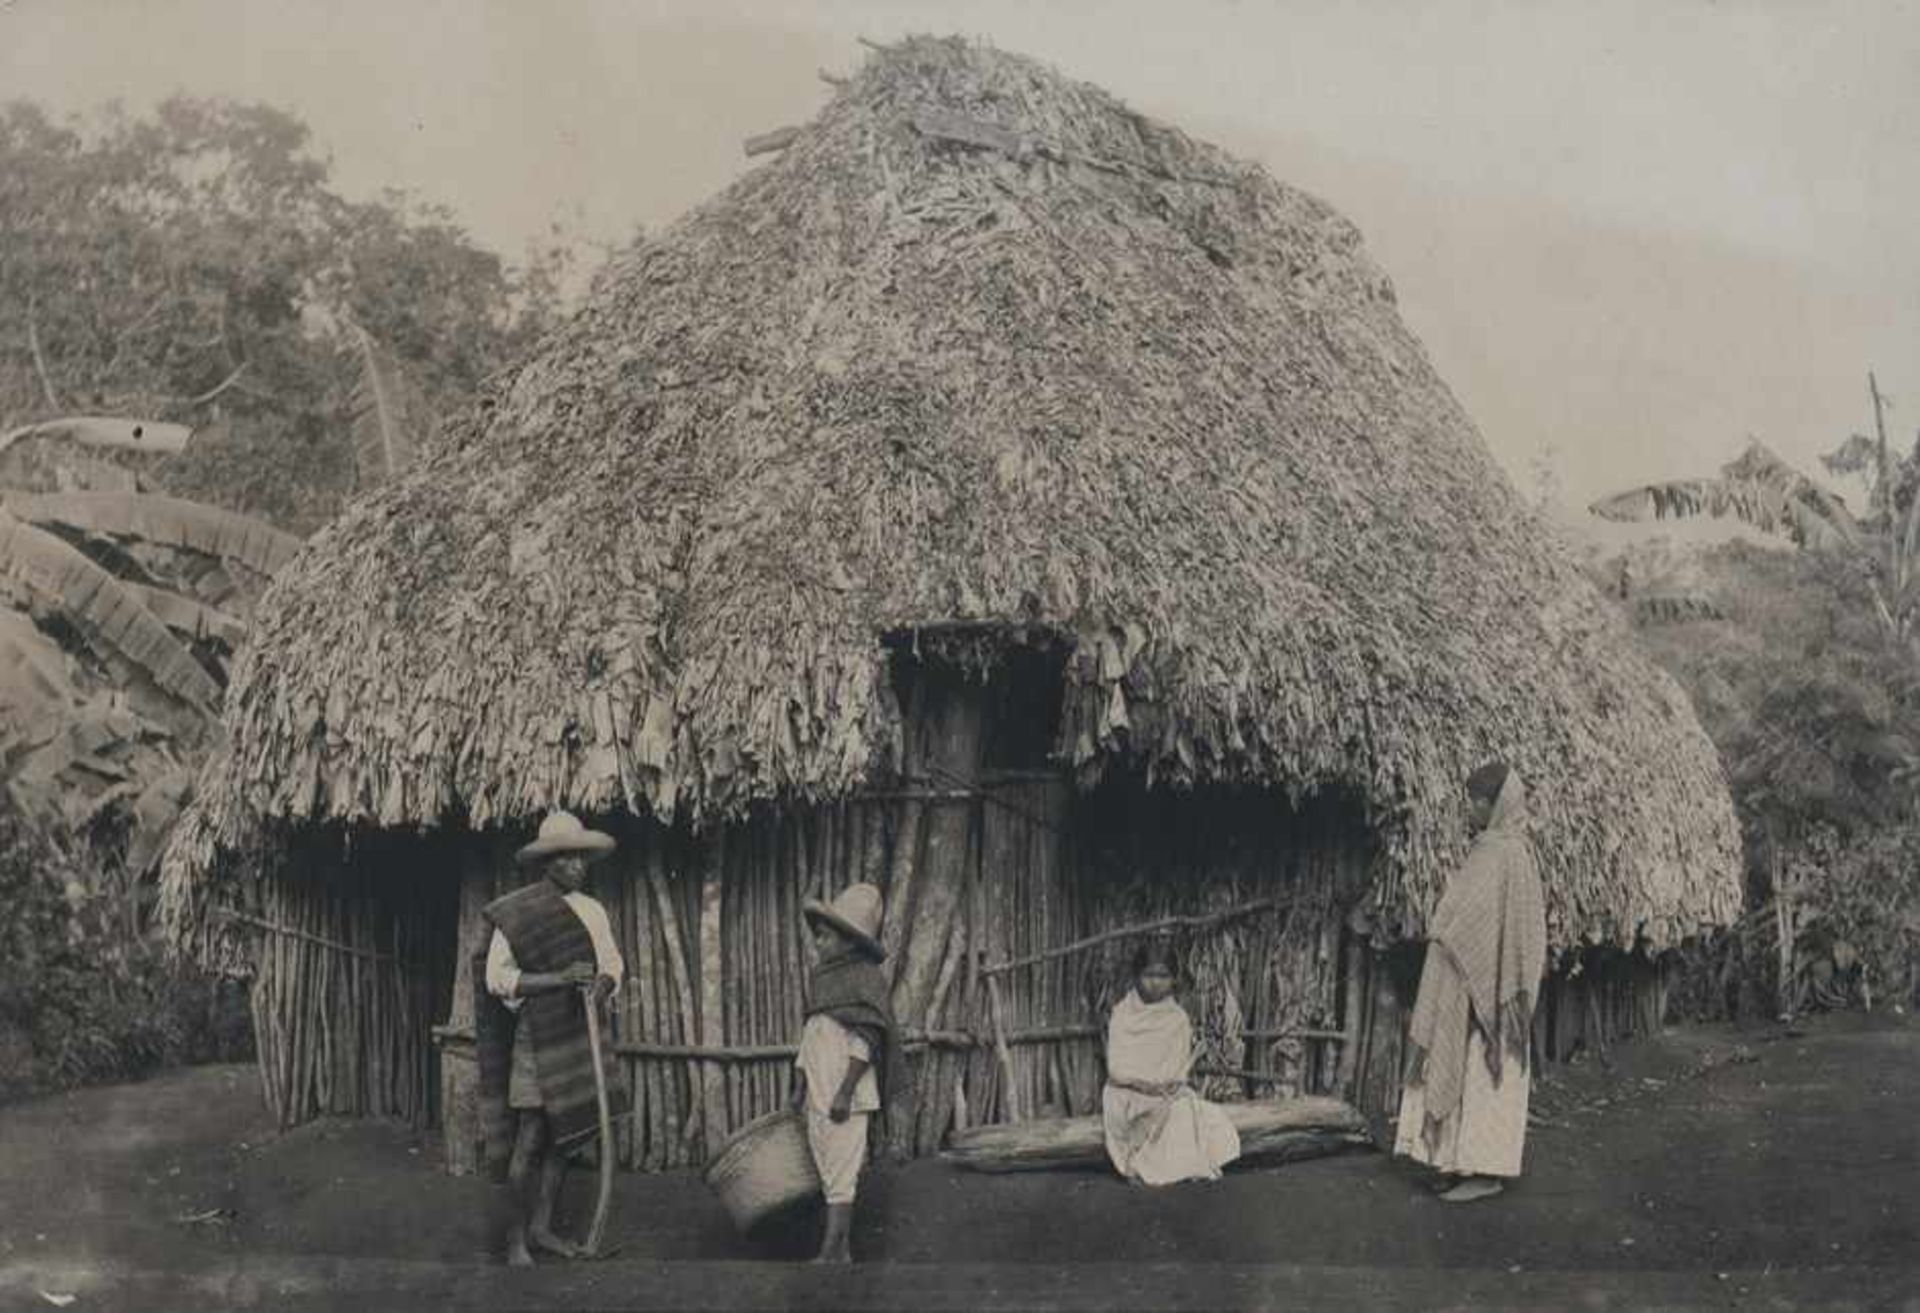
[
  {"x": 834, "y": 1259},
  {"x": 542, "y": 1238},
  {"x": 517, "y": 1256},
  {"x": 1474, "y": 1187}
]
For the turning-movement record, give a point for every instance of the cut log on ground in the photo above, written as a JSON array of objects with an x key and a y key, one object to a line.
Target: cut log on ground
[{"x": 1285, "y": 1130}]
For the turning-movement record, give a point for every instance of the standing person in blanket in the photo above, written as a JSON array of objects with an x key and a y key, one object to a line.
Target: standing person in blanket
[
  {"x": 1463, "y": 1111},
  {"x": 550, "y": 940},
  {"x": 850, "y": 1065}
]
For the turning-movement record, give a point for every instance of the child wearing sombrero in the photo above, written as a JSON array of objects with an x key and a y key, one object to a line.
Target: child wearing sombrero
[
  {"x": 850, "y": 1065},
  {"x": 549, "y": 940}
]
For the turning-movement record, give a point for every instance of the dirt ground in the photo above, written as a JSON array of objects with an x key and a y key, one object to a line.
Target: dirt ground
[{"x": 1709, "y": 1168}]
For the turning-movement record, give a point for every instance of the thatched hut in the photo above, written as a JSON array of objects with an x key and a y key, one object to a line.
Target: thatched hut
[{"x": 999, "y": 496}]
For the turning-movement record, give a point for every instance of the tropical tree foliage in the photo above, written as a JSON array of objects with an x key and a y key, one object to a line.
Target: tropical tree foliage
[
  {"x": 194, "y": 270},
  {"x": 118, "y": 611},
  {"x": 83, "y": 998},
  {"x": 110, "y": 676},
  {"x": 204, "y": 349},
  {"x": 197, "y": 266},
  {"x": 1760, "y": 489},
  {"x": 1814, "y": 703}
]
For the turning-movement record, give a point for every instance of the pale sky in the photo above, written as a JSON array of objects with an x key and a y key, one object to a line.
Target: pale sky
[{"x": 1634, "y": 233}]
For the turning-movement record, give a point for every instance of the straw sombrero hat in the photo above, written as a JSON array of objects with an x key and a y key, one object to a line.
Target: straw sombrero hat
[
  {"x": 855, "y": 913},
  {"x": 563, "y": 833}
]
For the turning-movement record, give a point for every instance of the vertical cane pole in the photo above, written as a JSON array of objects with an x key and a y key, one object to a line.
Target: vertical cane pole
[{"x": 598, "y": 1229}]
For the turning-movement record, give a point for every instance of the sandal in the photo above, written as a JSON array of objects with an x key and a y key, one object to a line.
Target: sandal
[{"x": 1474, "y": 1187}]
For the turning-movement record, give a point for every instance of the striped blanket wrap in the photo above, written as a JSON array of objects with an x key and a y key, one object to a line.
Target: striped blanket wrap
[{"x": 545, "y": 936}]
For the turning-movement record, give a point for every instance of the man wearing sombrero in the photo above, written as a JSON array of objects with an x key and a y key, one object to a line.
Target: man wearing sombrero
[
  {"x": 536, "y": 1064},
  {"x": 849, "y": 1037}
]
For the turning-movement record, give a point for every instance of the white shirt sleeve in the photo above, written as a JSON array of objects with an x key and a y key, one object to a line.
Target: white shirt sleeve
[
  {"x": 503, "y": 973},
  {"x": 858, "y": 1049},
  {"x": 606, "y": 952}
]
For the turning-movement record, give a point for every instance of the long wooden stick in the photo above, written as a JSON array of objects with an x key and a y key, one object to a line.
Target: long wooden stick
[
  {"x": 1241, "y": 1073},
  {"x": 599, "y": 1225},
  {"x": 1293, "y": 1032},
  {"x": 1134, "y": 931},
  {"x": 912, "y": 1039},
  {"x": 708, "y": 1052},
  {"x": 909, "y": 1038},
  {"x": 274, "y": 927}
]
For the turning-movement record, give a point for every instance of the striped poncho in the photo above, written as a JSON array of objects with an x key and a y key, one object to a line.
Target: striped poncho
[{"x": 546, "y": 936}]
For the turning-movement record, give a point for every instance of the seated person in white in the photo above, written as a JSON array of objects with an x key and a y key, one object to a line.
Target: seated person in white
[{"x": 1158, "y": 1128}]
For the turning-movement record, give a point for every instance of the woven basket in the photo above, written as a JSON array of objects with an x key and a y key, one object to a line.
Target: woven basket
[{"x": 764, "y": 1166}]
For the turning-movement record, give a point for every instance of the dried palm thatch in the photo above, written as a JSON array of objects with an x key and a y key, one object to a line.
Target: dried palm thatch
[{"x": 979, "y": 346}]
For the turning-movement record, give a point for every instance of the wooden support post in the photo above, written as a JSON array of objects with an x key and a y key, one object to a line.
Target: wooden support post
[
  {"x": 996, "y": 1010},
  {"x": 1386, "y": 1024},
  {"x": 677, "y": 963},
  {"x": 1354, "y": 980},
  {"x": 925, "y": 906},
  {"x": 459, "y": 1070},
  {"x": 713, "y": 1089}
]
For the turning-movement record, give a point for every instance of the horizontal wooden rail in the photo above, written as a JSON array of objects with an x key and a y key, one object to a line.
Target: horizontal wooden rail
[
  {"x": 1337, "y": 1036},
  {"x": 272, "y": 927},
  {"x": 915, "y": 1039},
  {"x": 708, "y": 1052},
  {"x": 1200, "y": 920},
  {"x": 1237, "y": 1073}
]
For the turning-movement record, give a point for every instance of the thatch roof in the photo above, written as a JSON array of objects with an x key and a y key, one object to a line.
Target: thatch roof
[{"x": 981, "y": 344}]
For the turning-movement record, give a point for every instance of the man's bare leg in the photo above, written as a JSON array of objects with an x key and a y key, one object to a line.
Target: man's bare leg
[
  {"x": 541, "y": 1233},
  {"x": 522, "y": 1171},
  {"x": 836, "y": 1245}
]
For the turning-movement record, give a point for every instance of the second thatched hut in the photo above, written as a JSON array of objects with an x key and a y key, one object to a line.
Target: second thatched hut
[{"x": 998, "y": 496}]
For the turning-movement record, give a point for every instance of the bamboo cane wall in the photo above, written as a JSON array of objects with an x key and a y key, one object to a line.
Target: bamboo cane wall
[
  {"x": 717, "y": 958},
  {"x": 1264, "y": 988},
  {"x": 988, "y": 872},
  {"x": 349, "y": 978},
  {"x": 354, "y": 970}
]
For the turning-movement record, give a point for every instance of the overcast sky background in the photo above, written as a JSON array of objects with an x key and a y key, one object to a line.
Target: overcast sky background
[{"x": 1631, "y": 234}]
